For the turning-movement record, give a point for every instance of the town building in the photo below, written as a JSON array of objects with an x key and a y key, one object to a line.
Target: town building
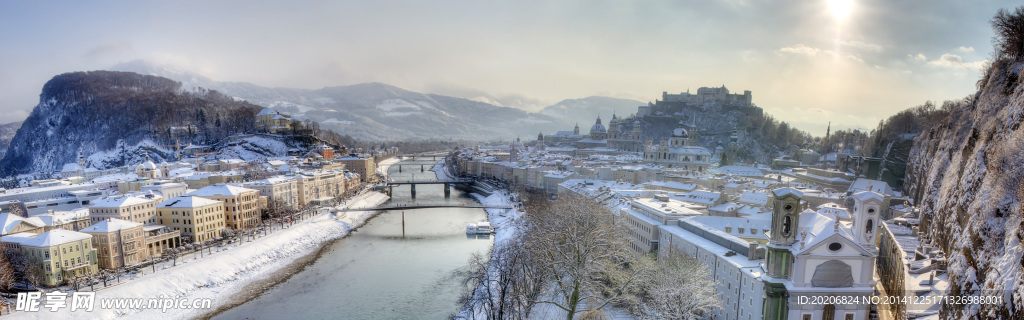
[
  {"x": 118, "y": 243},
  {"x": 284, "y": 189},
  {"x": 55, "y": 256},
  {"x": 269, "y": 120},
  {"x": 159, "y": 238},
  {"x": 135, "y": 208},
  {"x": 644, "y": 217},
  {"x": 364, "y": 166},
  {"x": 242, "y": 209},
  {"x": 197, "y": 218}
]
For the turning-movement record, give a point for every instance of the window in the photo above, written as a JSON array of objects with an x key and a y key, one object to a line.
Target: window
[{"x": 835, "y": 246}]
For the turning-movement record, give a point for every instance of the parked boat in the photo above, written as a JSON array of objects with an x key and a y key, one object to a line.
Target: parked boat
[{"x": 482, "y": 227}]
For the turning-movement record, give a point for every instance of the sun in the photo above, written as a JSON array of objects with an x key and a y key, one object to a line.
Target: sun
[{"x": 840, "y": 8}]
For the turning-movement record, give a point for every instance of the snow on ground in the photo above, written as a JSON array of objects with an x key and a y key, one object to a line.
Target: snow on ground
[
  {"x": 225, "y": 273},
  {"x": 383, "y": 166},
  {"x": 441, "y": 170}
]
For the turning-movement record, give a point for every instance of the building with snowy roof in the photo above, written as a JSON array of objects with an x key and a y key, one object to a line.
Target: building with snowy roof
[
  {"x": 242, "y": 206},
  {"x": 59, "y": 254},
  {"x": 197, "y": 218},
  {"x": 11, "y": 223},
  {"x": 118, "y": 243},
  {"x": 764, "y": 265},
  {"x": 279, "y": 188},
  {"x": 139, "y": 208},
  {"x": 269, "y": 120},
  {"x": 680, "y": 151}
]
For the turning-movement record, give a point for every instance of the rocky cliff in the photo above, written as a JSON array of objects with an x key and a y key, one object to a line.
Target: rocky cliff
[{"x": 967, "y": 175}]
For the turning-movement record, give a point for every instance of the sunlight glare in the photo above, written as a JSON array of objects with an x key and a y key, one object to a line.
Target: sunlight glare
[{"x": 840, "y": 8}]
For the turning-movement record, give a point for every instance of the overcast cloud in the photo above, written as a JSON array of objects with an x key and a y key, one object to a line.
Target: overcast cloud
[{"x": 803, "y": 64}]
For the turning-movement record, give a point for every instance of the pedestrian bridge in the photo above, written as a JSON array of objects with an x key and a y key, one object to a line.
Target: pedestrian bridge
[{"x": 425, "y": 206}]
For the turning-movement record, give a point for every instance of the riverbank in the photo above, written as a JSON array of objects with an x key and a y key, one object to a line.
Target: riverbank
[
  {"x": 225, "y": 274},
  {"x": 506, "y": 228}
]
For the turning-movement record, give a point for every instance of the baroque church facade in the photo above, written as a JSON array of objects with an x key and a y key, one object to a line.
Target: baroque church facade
[{"x": 817, "y": 266}]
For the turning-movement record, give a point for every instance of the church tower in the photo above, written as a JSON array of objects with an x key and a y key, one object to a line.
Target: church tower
[
  {"x": 514, "y": 149},
  {"x": 576, "y": 131},
  {"x": 540, "y": 141},
  {"x": 779, "y": 258},
  {"x": 867, "y": 211},
  {"x": 613, "y": 128},
  {"x": 637, "y": 130}
]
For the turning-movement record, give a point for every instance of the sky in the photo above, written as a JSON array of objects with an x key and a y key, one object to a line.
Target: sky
[{"x": 807, "y": 62}]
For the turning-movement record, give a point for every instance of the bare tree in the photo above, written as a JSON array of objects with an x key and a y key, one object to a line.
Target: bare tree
[
  {"x": 34, "y": 274},
  {"x": 209, "y": 245},
  {"x": 504, "y": 287},
  {"x": 277, "y": 209},
  {"x": 675, "y": 287},
  {"x": 172, "y": 253},
  {"x": 579, "y": 248},
  {"x": 7, "y": 273},
  {"x": 1009, "y": 29}
]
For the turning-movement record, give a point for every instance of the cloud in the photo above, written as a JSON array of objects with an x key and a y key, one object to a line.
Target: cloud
[
  {"x": 918, "y": 57},
  {"x": 804, "y": 50},
  {"x": 801, "y": 49},
  {"x": 965, "y": 49},
  {"x": 950, "y": 60},
  {"x": 860, "y": 45}
]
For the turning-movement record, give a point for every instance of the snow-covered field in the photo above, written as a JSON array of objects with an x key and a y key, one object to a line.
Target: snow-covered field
[{"x": 224, "y": 273}]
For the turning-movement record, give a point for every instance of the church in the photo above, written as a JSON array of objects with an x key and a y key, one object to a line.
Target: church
[
  {"x": 819, "y": 267},
  {"x": 680, "y": 151}
]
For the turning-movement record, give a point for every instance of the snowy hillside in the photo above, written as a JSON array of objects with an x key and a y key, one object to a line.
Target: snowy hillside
[
  {"x": 967, "y": 175},
  {"x": 117, "y": 118},
  {"x": 7, "y": 132}
]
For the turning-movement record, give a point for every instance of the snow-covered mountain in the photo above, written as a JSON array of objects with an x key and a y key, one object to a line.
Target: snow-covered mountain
[
  {"x": 117, "y": 118},
  {"x": 7, "y": 132},
  {"x": 376, "y": 111},
  {"x": 584, "y": 110},
  {"x": 967, "y": 174}
]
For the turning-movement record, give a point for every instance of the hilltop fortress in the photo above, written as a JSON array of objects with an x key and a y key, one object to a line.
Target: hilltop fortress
[{"x": 670, "y": 104}]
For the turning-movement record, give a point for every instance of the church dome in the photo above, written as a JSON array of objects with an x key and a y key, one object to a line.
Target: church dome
[
  {"x": 149, "y": 165},
  {"x": 598, "y": 127},
  {"x": 680, "y": 133}
]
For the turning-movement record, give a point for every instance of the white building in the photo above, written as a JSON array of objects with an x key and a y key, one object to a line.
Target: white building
[{"x": 810, "y": 255}]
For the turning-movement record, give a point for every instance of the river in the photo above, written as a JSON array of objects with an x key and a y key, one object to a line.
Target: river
[{"x": 381, "y": 271}]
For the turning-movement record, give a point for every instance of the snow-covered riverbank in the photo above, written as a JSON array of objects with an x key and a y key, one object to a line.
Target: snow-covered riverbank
[
  {"x": 504, "y": 222},
  {"x": 226, "y": 273}
]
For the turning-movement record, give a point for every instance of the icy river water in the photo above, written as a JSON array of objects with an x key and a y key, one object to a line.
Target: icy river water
[{"x": 379, "y": 271}]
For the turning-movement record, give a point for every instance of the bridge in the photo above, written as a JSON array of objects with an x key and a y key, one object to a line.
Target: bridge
[
  {"x": 425, "y": 206},
  {"x": 412, "y": 185},
  {"x": 432, "y": 156}
]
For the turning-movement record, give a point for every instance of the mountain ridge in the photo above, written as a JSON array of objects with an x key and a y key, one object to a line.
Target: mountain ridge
[{"x": 378, "y": 111}]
